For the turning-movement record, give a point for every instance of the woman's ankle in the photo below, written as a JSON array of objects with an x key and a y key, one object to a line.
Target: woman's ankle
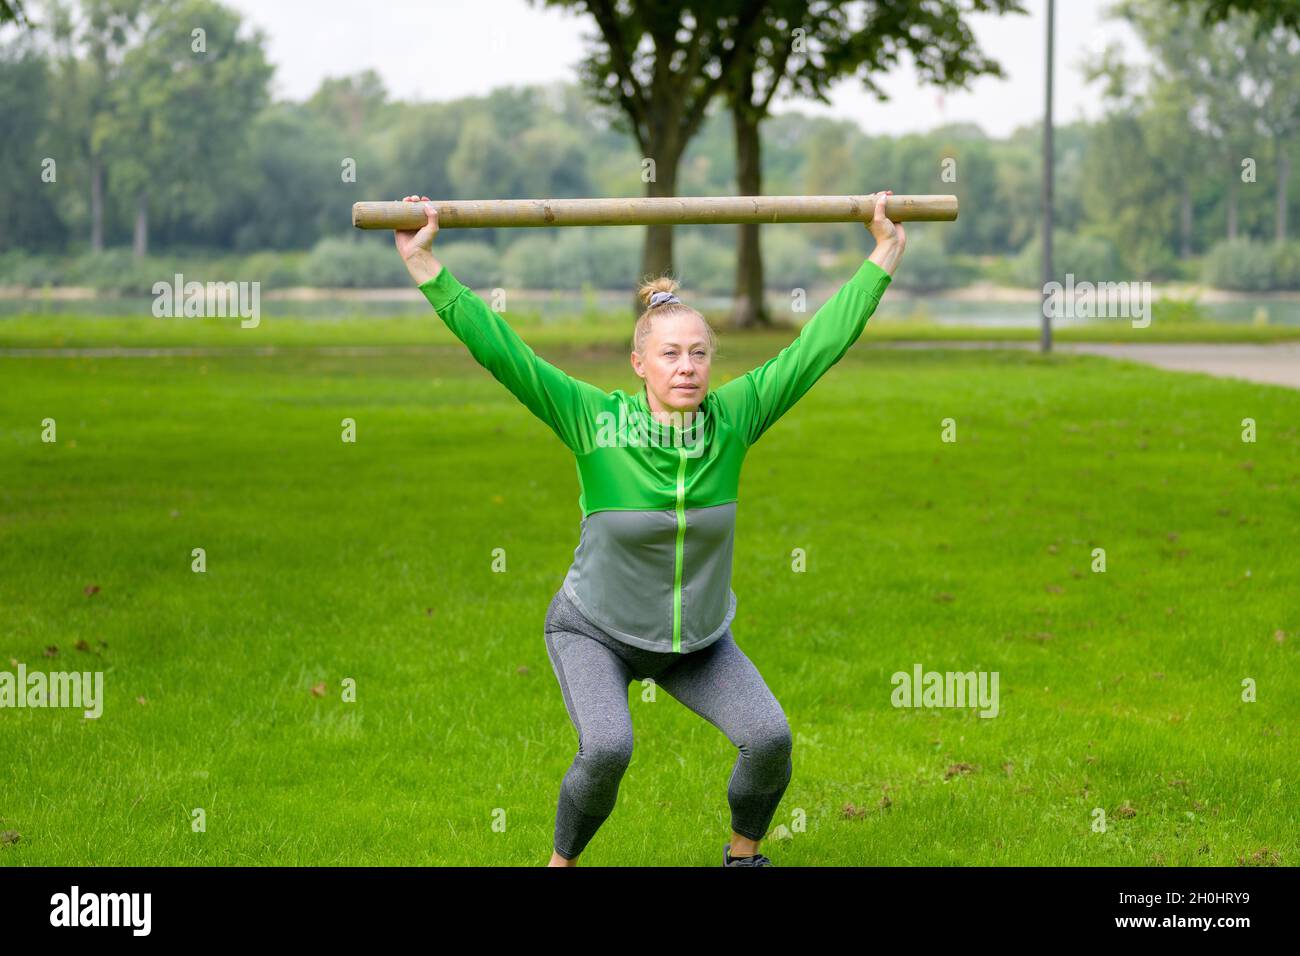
[{"x": 742, "y": 845}]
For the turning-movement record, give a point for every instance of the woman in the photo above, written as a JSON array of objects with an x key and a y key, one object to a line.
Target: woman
[{"x": 649, "y": 592}]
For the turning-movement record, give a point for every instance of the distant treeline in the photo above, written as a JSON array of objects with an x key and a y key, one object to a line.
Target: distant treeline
[{"x": 151, "y": 148}]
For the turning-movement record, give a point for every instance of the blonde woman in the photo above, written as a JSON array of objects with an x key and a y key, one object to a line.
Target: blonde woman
[{"x": 648, "y": 594}]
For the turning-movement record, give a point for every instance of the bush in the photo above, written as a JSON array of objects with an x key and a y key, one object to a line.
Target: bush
[
  {"x": 616, "y": 259},
  {"x": 475, "y": 264},
  {"x": 579, "y": 258},
  {"x": 928, "y": 267},
  {"x": 703, "y": 266},
  {"x": 18, "y": 268},
  {"x": 837, "y": 266},
  {"x": 274, "y": 270},
  {"x": 354, "y": 264},
  {"x": 1088, "y": 258},
  {"x": 529, "y": 263},
  {"x": 118, "y": 270},
  {"x": 789, "y": 260},
  {"x": 1189, "y": 269},
  {"x": 599, "y": 258},
  {"x": 1286, "y": 265},
  {"x": 1240, "y": 264},
  {"x": 1002, "y": 270},
  {"x": 1169, "y": 311},
  {"x": 1152, "y": 258}
]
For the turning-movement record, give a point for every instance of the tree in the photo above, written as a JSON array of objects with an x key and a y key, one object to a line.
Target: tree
[
  {"x": 293, "y": 190},
  {"x": 1146, "y": 161},
  {"x": 1268, "y": 13},
  {"x": 1203, "y": 72},
  {"x": 28, "y": 214},
  {"x": 423, "y": 138},
  {"x": 354, "y": 104},
  {"x": 178, "y": 128},
  {"x": 90, "y": 44},
  {"x": 803, "y": 48},
  {"x": 759, "y": 71},
  {"x": 11, "y": 11},
  {"x": 1238, "y": 86},
  {"x": 1273, "y": 78},
  {"x": 661, "y": 63}
]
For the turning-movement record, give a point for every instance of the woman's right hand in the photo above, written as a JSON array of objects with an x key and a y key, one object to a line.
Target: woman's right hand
[{"x": 412, "y": 241}]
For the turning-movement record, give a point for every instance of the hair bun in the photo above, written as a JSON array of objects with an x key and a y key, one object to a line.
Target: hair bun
[{"x": 658, "y": 292}]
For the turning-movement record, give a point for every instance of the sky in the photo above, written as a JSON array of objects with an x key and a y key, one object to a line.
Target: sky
[{"x": 446, "y": 49}]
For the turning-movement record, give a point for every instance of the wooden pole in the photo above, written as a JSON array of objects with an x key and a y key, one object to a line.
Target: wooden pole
[{"x": 643, "y": 211}]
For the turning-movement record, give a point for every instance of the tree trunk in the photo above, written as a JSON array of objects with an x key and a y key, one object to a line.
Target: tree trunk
[
  {"x": 749, "y": 309},
  {"x": 1185, "y": 225},
  {"x": 1283, "y": 174},
  {"x": 140, "y": 241},
  {"x": 657, "y": 253},
  {"x": 1232, "y": 206},
  {"x": 96, "y": 205}
]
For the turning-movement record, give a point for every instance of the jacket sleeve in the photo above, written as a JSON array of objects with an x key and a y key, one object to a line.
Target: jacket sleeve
[
  {"x": 761, "y": 396},
  {"x": 566, "y": 404}
]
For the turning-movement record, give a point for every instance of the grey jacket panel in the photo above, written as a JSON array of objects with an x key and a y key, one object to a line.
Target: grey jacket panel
[{"x": 623, "y": 571}]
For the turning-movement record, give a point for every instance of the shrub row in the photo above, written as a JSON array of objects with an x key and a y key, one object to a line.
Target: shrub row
[{"x": 579, "y": 259}]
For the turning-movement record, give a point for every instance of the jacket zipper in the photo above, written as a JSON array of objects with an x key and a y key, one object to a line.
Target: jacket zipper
[{"x": 681, "y": 533}]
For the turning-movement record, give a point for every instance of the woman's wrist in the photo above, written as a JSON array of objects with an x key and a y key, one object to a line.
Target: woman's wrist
[
  {"x": 886, "y": 255},
  {"x": 422, "y": 266}
]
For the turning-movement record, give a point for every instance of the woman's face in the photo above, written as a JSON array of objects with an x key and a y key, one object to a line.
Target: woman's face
[{"x": 675, "y": 365}]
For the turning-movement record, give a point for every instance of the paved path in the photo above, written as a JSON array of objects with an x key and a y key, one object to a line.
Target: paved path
[
  {"x": 1277, "y": 364},
  {"x": 1274, "y": 364}
]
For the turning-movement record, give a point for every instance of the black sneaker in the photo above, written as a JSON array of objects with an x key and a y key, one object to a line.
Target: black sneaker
[{"x": 756, "y": 860}]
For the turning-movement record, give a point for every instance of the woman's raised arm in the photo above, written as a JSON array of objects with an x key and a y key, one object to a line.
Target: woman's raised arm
[
  {"x": 761, "y": 396},
  {"x": 567, "y": 405}
]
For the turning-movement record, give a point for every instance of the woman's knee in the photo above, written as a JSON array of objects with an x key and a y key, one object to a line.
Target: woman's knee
[
  {"x": 607, "y": 753},
  {"x": 771, "y": 740}
]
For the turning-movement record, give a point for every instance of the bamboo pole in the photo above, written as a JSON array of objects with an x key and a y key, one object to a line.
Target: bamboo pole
[{"x": 644, "y": 211}]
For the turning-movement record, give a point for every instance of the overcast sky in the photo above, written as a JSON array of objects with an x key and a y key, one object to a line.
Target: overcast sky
[{"x": 444, "y": 49}]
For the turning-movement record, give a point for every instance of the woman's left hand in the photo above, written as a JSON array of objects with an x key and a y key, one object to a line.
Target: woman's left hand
[{"x": 891, "y": 239}]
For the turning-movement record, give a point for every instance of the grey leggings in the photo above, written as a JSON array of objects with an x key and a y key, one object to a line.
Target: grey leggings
[{"x": 718, "y": 682}]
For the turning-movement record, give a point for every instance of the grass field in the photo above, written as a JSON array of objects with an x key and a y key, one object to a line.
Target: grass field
[
  {"x": 595, "y": 328},
  {"x": 373, "y": 561}
]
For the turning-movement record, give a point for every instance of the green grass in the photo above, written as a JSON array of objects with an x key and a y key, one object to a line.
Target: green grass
[{"x": 373, "y": 561}]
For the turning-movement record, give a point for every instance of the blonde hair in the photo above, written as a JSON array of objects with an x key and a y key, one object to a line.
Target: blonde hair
[{"x": 643, "y": 322}]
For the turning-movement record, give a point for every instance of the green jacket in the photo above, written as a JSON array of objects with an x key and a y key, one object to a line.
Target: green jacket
[{"x": 653, "y": 562}]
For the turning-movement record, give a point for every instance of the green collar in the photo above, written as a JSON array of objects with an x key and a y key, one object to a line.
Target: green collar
[{"x": 661, "y": 433}]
